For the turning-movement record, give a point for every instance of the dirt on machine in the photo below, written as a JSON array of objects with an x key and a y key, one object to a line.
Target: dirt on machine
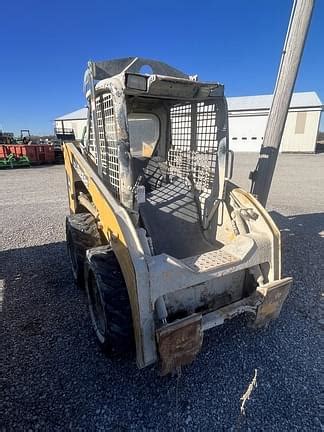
[{"x": 166, "y": 246}]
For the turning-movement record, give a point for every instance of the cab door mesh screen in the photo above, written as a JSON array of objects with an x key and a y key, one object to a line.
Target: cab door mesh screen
[
  {"x": 193, "y": 151},
  {"x": 180, "y": 117},
  {"x": 107, "y": 141}
]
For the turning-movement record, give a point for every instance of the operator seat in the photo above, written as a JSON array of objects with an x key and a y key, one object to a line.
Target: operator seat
[{"x": 171, "y": 218}]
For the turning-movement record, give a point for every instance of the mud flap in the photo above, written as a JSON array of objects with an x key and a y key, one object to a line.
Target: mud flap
[
  {"x": 272, "y": 297},
  {"x": 179, "y": 342}
]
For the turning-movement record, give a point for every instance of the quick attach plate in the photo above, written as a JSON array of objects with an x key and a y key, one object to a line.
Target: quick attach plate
[{"x": 179, "y": 342}]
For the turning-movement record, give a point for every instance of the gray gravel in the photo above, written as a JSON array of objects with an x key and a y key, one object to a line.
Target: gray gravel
[{"x": 55, "y": 378}]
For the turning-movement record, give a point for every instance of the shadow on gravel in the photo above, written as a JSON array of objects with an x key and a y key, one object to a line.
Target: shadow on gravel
[{"x": 56, "y": 378}]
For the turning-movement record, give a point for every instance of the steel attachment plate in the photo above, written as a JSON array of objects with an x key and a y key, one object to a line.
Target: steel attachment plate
[
  {"x": 272, "y": 297},
  {"x": 179, "y": 342}
]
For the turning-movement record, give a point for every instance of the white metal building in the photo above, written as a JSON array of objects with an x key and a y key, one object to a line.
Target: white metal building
[
  {"x": 75, "y": 121},
  {"x": 248, "y": 118},
  {"x": 247, "y": 122}
]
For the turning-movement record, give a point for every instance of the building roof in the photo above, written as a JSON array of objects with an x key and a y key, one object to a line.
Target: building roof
[
  {"x": 242, "y": 103},
  {"x": 251, "y": 103},
  {"x": 80, "y": 114}
]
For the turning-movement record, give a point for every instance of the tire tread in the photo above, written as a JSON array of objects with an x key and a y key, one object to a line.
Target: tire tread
[
  {"x": 107, "y": 272},
  {"x": 84, "y": 234}
]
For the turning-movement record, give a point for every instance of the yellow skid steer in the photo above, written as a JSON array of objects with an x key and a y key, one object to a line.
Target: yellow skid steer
[{"x": 164, "y": 243}]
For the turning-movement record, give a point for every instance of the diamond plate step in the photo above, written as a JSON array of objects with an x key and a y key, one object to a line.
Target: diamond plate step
[{"x": 210, "y": 260}]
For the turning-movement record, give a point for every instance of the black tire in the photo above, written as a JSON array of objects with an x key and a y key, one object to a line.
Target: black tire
[
  {"x": 81, "y": 234},
  {"x": 108, "y": 299}
]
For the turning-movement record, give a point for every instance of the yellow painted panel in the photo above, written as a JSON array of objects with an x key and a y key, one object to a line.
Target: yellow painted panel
[
  {"x": 107, "y": 217},
  {"x": 70, "y": 179},
  {"x": 108, "y": 220}
]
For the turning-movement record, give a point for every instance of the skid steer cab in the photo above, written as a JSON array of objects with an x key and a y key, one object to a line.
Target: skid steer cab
[{"x": 164, "y": 243}]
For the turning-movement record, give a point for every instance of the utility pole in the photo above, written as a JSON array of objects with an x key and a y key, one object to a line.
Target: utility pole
[{"x": 291, "y": 56}]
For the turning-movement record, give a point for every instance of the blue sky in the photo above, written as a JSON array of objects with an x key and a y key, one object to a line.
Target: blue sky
[{"x": 45, "y": 46}]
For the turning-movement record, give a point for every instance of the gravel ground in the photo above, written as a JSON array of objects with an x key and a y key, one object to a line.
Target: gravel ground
[{"x": 55, "y": 378}]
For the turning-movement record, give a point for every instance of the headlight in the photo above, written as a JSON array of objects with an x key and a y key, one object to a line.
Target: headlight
[{"x": 137, "y": 82}]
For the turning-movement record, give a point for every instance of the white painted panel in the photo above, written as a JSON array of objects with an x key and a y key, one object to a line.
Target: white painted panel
[
  {"x": 76, "y": 125},
  {"x": 248, "y": 126},
  {"x": 300, "y": 142},
  {"x": 246, "y": 132}
]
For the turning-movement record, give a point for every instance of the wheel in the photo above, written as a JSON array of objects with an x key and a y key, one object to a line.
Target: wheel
[
  {"x": 109, "y": 304},
  {"x": 81, "y": 234}
]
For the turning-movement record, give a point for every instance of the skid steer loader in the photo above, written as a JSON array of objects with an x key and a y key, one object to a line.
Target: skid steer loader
[{"x": 164, "y": 243}]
